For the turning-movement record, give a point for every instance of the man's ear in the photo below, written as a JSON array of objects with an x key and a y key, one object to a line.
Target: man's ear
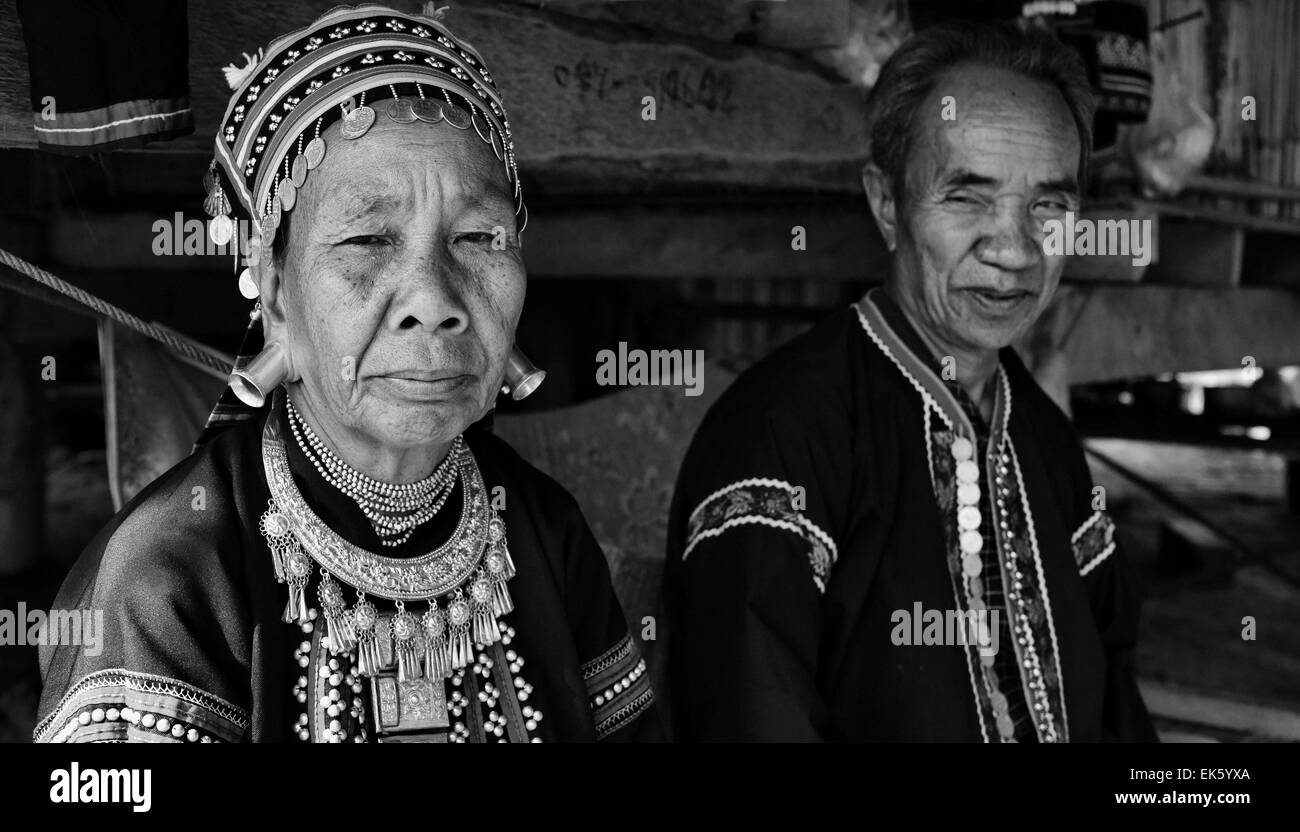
[
  {"x": 880, "y": 193},
  {"x": 270, "y": 290}
]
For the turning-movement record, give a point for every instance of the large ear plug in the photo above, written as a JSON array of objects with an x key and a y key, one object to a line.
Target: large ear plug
[
  {"x": 522, "y": 376},
  {"x": 271, "y": 368}
]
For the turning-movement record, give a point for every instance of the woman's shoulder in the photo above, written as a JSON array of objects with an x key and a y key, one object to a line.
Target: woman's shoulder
[{"x": 188, "y": 522}]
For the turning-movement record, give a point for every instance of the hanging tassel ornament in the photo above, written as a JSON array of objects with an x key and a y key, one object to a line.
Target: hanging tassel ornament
[
  {"x": 495, "y": 565},
  {"x": 365, "y": 623},
  {"x": 459, "y": 617},
  {"x": 297, "y": 569},
  {"x": 481, "y": 598},
  {"x": 497, "y": 544},
  {"x": 405, "y": 629},
  {"x": 339, "y": 636},
  {"x": 437, "y": 649},
  {"x": 274, "y": 526}
]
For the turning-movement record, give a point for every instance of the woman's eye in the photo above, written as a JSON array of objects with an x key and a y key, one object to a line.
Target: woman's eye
[
  {"x": 479, "y": 237},
  {"x": 963, "y": 199},
  {"x": 366, "y": 240},
  {"x": 1055, "y": 205}
]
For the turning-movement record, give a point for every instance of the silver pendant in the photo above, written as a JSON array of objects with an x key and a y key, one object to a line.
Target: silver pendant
[
  {"x": 357, "y": 122},
  {"x": 298, "y": 173},
  {"x": 401, "y": 111},
  {"x": 315, "y": 153},
  {"x": 428, "y": 110}
]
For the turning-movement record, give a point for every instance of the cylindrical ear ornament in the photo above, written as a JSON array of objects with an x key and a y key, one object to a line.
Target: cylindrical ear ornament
[
  {"x": 271, "y": 368},
  {"x": 522, "y": 376}
]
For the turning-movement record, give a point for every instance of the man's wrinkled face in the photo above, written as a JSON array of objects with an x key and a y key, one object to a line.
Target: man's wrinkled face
[
  {"x": 969, "y": 258},
  {"x": 403, "y": 281}
]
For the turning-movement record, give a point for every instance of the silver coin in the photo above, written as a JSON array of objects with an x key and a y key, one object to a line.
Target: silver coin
[
  {"x": 401, "y": 111},
  {"x": 426, "y": 109},
  {"x": 247, "y": 286},
  {"x": 357, "y": 122},
  {"x": 479, "y": 127},
  {"x": 288, "y": 194},
  {"x": 456, "y": 117},
  {"x": 221, "y": 229},
  {"x": 496, "y": 142},
  {"x": 298, "y": 173},
  {"x": 275, "y": 213},
  {"x": 315, "y": 153}
]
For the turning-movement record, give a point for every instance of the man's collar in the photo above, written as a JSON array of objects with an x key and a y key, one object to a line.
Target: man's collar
[{"x": 891, "y": 331}]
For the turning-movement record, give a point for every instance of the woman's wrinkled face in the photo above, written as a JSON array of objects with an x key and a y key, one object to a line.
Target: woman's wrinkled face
[{"x": 402, "y": 283}]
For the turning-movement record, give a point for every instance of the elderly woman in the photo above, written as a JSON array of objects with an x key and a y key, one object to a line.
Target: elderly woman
[{"x": 347, "y": 560}]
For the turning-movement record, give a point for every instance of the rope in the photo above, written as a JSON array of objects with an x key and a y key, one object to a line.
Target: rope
[{"x": 104, "y": 309}]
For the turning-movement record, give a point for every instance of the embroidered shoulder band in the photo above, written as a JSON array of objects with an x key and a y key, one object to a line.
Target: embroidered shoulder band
[
  {"x": 618, "y": 686},
  {"x": 767, "y": 502},
  {"x": 1093, "y": 542},
  {"x": 118, "y": 705}
]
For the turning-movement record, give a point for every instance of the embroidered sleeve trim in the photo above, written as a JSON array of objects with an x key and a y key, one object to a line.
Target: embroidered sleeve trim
[
  {"x": 618, "y": 686},
  {"x": 767, "y": 502},
  {"x": 1093, "y": 542},
  {"x": 122, "y": 705}
]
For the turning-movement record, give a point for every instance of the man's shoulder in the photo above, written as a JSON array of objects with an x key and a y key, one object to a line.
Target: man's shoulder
[{"x": 803, "y": 381}]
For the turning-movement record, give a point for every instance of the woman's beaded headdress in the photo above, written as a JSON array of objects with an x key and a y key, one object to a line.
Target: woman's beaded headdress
[{"x": 354, "y": 63}]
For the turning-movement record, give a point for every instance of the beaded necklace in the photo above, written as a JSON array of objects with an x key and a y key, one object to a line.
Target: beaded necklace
[{"x": 393, "y": 509}]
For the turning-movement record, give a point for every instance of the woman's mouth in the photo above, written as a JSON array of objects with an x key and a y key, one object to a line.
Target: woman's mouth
[{"x": 426, "y": 385}]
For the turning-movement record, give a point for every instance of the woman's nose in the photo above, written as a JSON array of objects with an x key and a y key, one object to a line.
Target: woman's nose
[{"x": 429, "y": 297}]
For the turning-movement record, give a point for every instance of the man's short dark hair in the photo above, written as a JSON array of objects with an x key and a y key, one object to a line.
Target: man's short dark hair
[{"x": 910, "y": 74}]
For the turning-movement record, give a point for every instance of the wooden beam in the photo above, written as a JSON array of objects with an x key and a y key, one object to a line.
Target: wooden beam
[
  {"x": 1114, "y": 332},
  {"x": 725, "y": 114},
  {"x": 669, "y": 239}
]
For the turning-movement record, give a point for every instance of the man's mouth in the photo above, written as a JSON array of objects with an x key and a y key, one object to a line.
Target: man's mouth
[{"x": 1000, "y": 301}]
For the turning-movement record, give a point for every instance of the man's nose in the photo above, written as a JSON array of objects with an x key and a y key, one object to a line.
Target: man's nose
[{"x": 1012, "y": 242}]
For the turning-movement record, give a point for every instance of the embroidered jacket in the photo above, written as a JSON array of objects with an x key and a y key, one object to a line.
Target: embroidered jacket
[
  {"x": 826, "y": 501},
  {"x": 194, "y": 648}
]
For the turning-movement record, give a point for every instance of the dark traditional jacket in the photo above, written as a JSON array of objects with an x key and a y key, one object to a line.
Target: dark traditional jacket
[
  {"x": 818, "y": 506},
  {"x": 195, "y": 648}
]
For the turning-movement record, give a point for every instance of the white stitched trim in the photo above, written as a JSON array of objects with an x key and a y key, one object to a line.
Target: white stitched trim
[
  {"x": 1006, "y": 398},
  {"x": 1042, "y": 582},
  {"x": 749, "y": 519},
  {"x": 1092, "y": 564},
  {"x": 920, "y": 388},
  {"x": 726, "y": 489},
  {"x": 120, "y": 121},
  {"x": 1087, "y": 524}
]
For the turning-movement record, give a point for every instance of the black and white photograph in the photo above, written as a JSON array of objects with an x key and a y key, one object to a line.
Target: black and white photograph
[{"x": 651, "y": 371}]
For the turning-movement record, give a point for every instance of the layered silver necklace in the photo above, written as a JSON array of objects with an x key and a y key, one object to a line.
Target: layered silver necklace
[{"x": 394, "y": 510}]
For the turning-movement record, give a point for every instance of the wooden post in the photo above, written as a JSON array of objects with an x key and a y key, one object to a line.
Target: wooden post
[{"x": 22, "y": 482}]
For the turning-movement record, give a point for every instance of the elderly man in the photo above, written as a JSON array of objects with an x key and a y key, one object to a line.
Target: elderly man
[
  {"x": 897, "y": 469},
  {"x": 438, "y": 588}
]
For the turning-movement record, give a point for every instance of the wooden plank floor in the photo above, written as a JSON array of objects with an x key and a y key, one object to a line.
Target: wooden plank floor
[{"x": 1201, "y": 676}]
